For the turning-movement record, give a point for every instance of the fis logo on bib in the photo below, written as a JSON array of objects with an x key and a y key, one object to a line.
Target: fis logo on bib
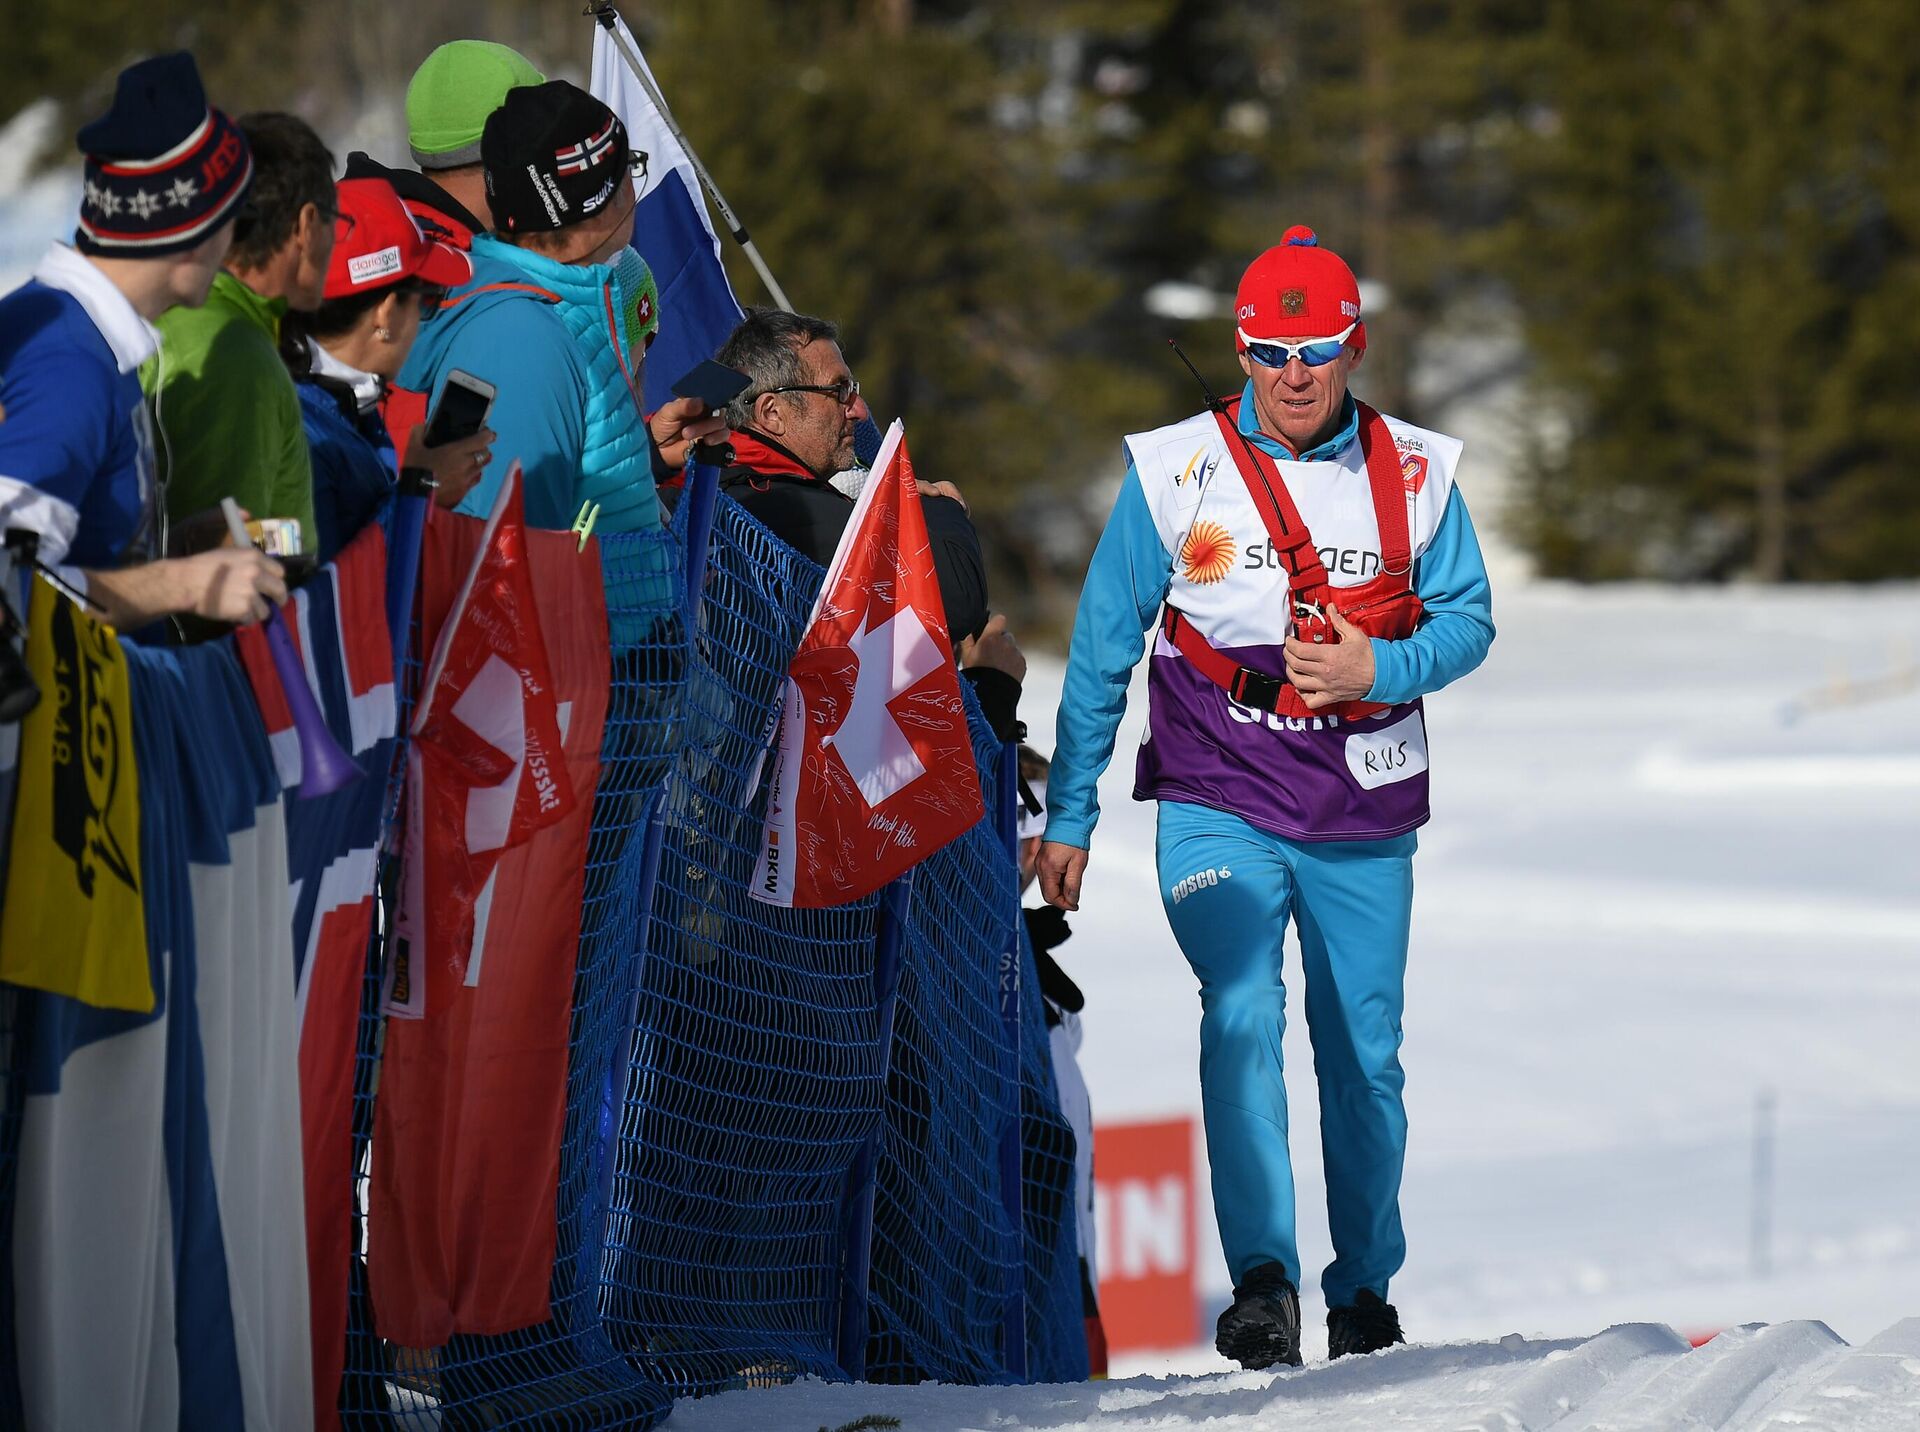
[
  {"x": 1199, "y": 880},
  {"x": 1199, "y": 468}
]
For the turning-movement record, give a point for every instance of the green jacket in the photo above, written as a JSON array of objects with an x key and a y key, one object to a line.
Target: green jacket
[{"x": 227, "y": 415}]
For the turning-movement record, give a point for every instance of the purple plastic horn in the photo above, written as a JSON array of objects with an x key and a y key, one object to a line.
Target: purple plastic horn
[{"x": 324, "y": 767}]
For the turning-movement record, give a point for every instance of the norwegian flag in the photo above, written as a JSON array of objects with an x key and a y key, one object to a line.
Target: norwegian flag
[
  {"x": 578, "y": 158},
  {"x": 339, "y": 626},
  {"x": 350, "y": 669},
  {"x": 874, "y": 770}
]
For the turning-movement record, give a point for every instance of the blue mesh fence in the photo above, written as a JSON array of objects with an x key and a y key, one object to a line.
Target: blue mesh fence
[
  {"x": 946, "y": 1257},
  {"x": 1050, "y": 1244},
  {"x": 755, "y": 1073},
  {"x": 735, "y": 1079},
  {"x": 758, "y": 1075}
]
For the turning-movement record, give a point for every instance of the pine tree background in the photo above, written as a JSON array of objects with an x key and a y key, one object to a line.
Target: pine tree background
[{"x": 1702, "y": 217}]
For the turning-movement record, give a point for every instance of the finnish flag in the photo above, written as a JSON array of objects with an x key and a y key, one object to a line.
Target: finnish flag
[
  {"x": 671, "y": 229},
  {"x": 154, "y": 1268}
]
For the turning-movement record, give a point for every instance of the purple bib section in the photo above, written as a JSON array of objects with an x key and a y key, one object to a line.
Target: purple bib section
[{"x": 1312, "y": 778}]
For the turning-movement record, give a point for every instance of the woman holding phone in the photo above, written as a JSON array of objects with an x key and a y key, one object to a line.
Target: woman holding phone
[{"x": 384, "y": 278}]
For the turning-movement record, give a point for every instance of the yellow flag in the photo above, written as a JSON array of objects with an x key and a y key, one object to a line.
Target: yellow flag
[{"x": 73, "y": 922}]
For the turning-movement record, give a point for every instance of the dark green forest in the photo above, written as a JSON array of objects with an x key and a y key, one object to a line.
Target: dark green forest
[{"x": 1701, "y": 218}]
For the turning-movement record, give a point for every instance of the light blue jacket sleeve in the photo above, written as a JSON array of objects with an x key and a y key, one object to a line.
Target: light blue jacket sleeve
[
  {"x": 1125, "y": 585},
  {"x": 1450, "y": 579},
  {"x": 539, "y": 408}
]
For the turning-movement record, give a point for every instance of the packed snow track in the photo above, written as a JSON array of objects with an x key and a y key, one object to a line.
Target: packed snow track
[{"x": 1640, "y": 1377}]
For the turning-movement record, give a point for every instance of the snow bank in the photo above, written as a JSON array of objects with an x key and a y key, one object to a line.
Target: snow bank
[{"x": 1632, "y": 1378}]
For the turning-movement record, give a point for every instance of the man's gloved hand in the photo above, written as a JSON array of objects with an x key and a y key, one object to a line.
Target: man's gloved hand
[
  {"x": 994, "y": 647},
  {"x": 1047, "y": 927}
]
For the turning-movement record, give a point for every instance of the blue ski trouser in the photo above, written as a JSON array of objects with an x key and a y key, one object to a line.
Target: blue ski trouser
[{"x": 1228, "y": 889}]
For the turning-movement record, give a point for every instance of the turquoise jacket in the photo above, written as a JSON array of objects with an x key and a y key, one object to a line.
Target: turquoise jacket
[{"x": 562, "y": 345}]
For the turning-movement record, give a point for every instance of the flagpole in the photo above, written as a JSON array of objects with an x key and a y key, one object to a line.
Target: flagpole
[{"x": 605, "y": 14}]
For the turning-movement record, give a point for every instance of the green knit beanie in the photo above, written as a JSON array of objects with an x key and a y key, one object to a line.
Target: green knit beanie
[{"x": 453, "y": 92}]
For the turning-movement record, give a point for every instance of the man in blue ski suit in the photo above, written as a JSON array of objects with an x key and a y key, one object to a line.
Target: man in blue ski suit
[{"x": 1311, "y": 573}]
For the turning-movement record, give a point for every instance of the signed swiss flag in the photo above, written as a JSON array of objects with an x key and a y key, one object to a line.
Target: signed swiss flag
[
  {"x": 874, "y": 770},
  {"x": 487, "y": 736},
  {"x": 461, "y": 1205}
]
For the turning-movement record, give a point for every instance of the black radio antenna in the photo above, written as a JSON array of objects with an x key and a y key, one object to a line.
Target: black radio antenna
[{"x": 1214, "y": 405}]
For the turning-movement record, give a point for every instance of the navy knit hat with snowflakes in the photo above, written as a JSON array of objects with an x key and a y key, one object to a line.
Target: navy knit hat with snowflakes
[{"x": 164, "y": 168}]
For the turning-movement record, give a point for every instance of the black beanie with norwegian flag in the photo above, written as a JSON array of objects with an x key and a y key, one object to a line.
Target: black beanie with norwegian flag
[
  {"x": 164, "y": 168},
  {"x": 554, "y": 155}
]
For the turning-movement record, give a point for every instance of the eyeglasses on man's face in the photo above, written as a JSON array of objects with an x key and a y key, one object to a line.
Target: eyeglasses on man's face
[{"x": 842, "y": 392}]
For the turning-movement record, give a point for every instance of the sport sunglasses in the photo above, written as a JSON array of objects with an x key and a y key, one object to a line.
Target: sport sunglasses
[{"x": 1315, "y": 352}]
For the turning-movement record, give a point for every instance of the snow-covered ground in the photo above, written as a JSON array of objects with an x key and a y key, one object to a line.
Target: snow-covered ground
[
  {"x": 1648, "y": 899},
  {"x": 1668, "y": 876},
  {"x": 1793, "y": 1377}
]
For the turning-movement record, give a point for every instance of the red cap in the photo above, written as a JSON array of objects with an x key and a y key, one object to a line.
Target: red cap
[
  {"x": 376, "y": 243},
  {"x": 1298, "y": 290}
]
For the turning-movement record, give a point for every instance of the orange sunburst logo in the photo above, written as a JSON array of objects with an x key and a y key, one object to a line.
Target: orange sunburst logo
[{"x": 1208, "y": 554}]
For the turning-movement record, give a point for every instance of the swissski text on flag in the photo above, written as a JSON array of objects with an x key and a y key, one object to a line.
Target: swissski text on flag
[
  {"x": 874, "y": 769},
  {"x": 487, "y": 740},
  {"x": 670, "y": 228},
  {"x": 461, "y": 1221}
]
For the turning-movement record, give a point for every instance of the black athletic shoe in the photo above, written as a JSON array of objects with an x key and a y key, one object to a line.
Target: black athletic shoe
[
  {"x": 1367, "y": 1326},
  {"x": 1262, "y": 1327}
]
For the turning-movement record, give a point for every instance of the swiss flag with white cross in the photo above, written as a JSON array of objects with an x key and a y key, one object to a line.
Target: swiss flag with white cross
[
  {"x": 461, "y": 1224},
  {"x": 874, "y": 769}
]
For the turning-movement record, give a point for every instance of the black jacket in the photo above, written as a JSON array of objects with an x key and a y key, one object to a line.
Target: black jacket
[{"x": 809, "y": 514}]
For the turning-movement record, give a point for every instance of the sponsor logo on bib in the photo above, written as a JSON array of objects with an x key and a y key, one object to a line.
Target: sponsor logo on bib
[
  {"x": 1207, "y": 554},
  {"x": 1198, "y": 469}
]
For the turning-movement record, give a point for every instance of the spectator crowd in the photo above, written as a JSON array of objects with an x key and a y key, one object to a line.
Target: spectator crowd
[
  {"x": 239, "y": 320},
  {"x": 233, "y": 321}
]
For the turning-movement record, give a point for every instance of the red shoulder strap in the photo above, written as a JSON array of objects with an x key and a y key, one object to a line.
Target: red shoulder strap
[
  {"x": 1292, "y": 542},
  {"x": 1284, "y": 524},
  {"x": 1389, "y": 492}
]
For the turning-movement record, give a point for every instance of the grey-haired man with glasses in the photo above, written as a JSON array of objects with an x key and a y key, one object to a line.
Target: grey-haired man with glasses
[{"x": 793, "y": 428}]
